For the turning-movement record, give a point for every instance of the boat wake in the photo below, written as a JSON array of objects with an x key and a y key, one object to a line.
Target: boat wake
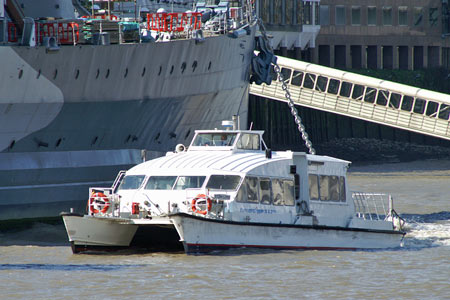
[{"x": 424, "y": 231}]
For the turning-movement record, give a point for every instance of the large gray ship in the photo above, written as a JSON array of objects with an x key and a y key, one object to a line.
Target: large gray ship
[{"x": 74, "y": 111}]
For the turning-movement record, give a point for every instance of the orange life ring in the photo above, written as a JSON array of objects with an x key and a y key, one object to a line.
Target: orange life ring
[
  {"x": 208, "y": 204},
  {"x": 95, "y": 197}
]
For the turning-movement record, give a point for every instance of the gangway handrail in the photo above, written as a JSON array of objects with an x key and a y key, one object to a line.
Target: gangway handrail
[{"x": 363, "y": 97}]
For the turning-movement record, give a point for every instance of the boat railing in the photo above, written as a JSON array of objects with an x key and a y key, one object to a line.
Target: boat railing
[{"x": 372, "y": 206}]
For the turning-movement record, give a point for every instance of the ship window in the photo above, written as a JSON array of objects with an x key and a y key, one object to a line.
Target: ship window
[
  {"x": 342, "y": 194},
  {"x": 324, "y": 190},
  {"x": 313, "y": 187},
  {"x": 321, "y": 84},
  {"x": 346, "y": 88},
  {"x": 310, "y": 79},
  {"x": 419, "y": 105},
  {"x": 126, "y": 73},
  {"x": 248, "y": 141},
  {"x": 252, "y": 189},
  {"x": 143, "y": 72},
  {"x": 358, "y": 91},
  {"x": 444, "y": 111},
  {"x": 407, "y": 103},
  {"x": 333, "y": 188},
  {"x": 240, "y": 197},
  {"x": 297, "y": 78},
  {"x": 277, "y": 189},
  {"x": 288, "y": 189},
  {"x": 77, "y": 73},
  {"x": 55, "y": 74},
  {"x": 20, "y": 74},
  {"x": 333, "y": 86},
  {"x": 189, "y": 182},
  {"x": 264, "y": 190},
  {"x": 214, "y": 139},
  {"x": 223, "y": 182},
  {"x": 432, "y": 109},
  {"x": 369, "y": 96},
  {"x": 160, "y": 182},
  {"x": 131, "y": 182},
  {"x": 107, "y": 73}
]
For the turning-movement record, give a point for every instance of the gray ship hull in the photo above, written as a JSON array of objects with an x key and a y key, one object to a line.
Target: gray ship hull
[{"x": 73, "y": 118}]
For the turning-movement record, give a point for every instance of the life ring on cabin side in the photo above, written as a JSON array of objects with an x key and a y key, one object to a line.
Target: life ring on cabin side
[
  {"x": 98, "y": 196},
  {"x": 208, "y": 204}
]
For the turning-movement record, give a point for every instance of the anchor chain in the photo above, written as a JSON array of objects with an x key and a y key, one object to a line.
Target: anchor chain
[{"x": 287, "y": 94}]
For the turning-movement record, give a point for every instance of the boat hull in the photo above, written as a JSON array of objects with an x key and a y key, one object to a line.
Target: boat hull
[
  {"x": 73, "y": 118},
  {"x": 199, "y": 235},
  {"x": 98, "y": 234}
]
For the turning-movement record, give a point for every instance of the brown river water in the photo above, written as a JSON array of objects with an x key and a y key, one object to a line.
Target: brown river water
[{"x": 38, "y": 263}]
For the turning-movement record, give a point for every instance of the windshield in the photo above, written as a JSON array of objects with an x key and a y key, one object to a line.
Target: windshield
[
  {"x": 214, "y": 139},
  {"x": 223, "y": 182},
  {"x": 160, "y": 182},
  {"x": 189, "y": 182},
  {"x": 131, "y": 182}
]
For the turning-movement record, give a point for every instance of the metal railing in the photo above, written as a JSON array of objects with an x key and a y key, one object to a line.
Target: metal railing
[{"x": 372, "y": 206}]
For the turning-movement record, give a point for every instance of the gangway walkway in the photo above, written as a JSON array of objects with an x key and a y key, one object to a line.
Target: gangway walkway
[{"x": 361, "y": 97}]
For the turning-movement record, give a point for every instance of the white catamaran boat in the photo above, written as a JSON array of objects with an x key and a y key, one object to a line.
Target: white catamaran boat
[{"x": 228, "y": 190}]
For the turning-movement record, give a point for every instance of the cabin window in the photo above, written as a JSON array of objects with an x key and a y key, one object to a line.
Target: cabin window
[
  {"x": 252, "y": 189},
  {"x": 288, "y": 188},
  {"x": 358, "y": 91},
  {"x": 223, "y": 182},
  {"x": 189, "y": 182},
  {"x": 333, "y": 86},
  {"x": 214, "y": 139},
  {"x": 342, "y": 194},
  {"x": 286, "y": 74},
  {"x": 369, "y": 96},
  {"x": 333, "y": 188},
  {"x": 313, "y": 187},
  {"x": 297, "y": 186},
  {"x": 160, "y": 182},
  {"x": 394, "y": 102},
  {"x": 297, "y": 78},
  {"x": 432, "y": 109},
  {"x": 346, "y": 88},
  {"x": 310, "y": 79},
  {"x": 277, "y": 190},
  {"x": 383, "y": 97},
  {"x": 419, "y": 106},
  {"x": 264, "y": 190},
  {"x": 324, "y": 188},
  {"x": 248, "y": 141},
  {"x": 321, "y": 84},
  {"x": 131, "y": 182},
  {"x": 444, "y": 112},
  {"x": 407, "y": 103}
]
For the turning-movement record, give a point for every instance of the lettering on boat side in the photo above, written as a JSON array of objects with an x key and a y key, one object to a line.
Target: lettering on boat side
[{"x": 257, "y": 211}]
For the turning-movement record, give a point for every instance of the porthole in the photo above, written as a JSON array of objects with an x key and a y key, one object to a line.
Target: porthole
[
  {"x": 77, "y": 73},
  {"x": 107, "y": 73},
  {"x": 160, "y": 70},
  {"x": 98, "y": 73},
  {"x": 126, "y": 73},
  {"x": 183, "y": 67},
  {"x": 11, "y": 145},
  {"x": 20, "y": 73},
  {"x": 194, "y": 65},
  {"x": 143, "y": 72},
  {"x": 171, "y": 69},
  {"x": 209, "y": 66},
  {"x": 55, "y": 74},
  {"x": 128, "y": 138},
  {"x": 58, "y": 142},
  {"x": 38, "y": 74},
  {"x": 157, "y": 136},
  {"x": 94, "y": 140},
  {"x": 187, "y": 134}
]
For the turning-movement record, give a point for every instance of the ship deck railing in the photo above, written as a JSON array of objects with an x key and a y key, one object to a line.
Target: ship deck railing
[{"x": 372, "y": 206}]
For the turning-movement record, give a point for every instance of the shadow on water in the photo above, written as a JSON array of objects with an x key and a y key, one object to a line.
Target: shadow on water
[
  {"x": 35, "y": 234},
  {"x": 69, "y": 267}
]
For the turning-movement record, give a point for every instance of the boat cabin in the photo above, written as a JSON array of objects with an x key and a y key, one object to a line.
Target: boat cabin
[{"x": 231, "y": 175}]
